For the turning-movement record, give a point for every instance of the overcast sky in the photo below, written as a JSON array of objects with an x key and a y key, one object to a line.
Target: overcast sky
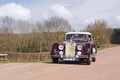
[{"x": 78, "y": 12}]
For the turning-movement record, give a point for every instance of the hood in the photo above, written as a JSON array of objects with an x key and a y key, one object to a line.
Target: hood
[{"x": 76, "y": 41}]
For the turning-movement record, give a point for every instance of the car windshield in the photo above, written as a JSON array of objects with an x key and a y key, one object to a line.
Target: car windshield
[{"x": 76, "y": 37}]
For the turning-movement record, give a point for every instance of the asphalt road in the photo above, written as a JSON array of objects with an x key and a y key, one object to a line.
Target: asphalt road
[{"x": 107, "y": 67}]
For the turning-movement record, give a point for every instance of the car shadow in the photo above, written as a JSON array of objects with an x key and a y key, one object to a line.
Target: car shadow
[{"x": 67, "y": 63}]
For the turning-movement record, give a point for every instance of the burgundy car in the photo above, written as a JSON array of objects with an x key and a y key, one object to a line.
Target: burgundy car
[{"x": 78, "y": 46}]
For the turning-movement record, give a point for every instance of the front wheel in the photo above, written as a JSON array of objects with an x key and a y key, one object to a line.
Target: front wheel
[
  {"x": 88, "y": 61},
  {"x": 94, "y": 59},
  {"x": 55, "y": 60}
]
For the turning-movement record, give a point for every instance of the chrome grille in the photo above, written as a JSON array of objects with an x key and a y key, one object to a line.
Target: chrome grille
[{"x": 70, "y": 49}]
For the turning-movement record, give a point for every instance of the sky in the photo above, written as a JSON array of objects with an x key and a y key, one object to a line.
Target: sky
[{"x": 79, "y": 13}]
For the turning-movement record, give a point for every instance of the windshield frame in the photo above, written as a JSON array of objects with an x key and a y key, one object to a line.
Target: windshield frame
[{"x": 80, "y": 37}]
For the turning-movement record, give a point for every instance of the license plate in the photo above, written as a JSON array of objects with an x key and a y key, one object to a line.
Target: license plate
[{"x": 69, "y": 59}]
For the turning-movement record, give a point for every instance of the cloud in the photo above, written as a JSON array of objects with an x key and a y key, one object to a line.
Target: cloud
[
  {"x": 90, "y": 10},
  {"x": 57, "y": 10},
  {"x": 78, "y": 12},
  {"x": 108, "y": 10},
  {"x": 118, "y": 18},
  {"x": 60, "y": 11},
  {"x": 88, "y": 21},
  {"x": 100, "y": 8},
  {"x": 15, "y": 11}
]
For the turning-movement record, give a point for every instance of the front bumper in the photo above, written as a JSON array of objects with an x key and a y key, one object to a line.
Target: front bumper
[
  {"x": 76, "y": 57},
  {"x": 55, "y": 56}
]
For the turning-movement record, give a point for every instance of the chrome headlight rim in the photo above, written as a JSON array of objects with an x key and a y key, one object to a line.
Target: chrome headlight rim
[
  {"x": 79, "y": 47},
  {"x": 60, "y": 47}
]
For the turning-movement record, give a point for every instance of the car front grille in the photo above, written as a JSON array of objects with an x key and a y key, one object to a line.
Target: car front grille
[{"x": 70, "y": 49}]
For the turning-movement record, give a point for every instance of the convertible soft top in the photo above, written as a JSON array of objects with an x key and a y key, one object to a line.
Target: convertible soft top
[{"x": 78, "y": 33}]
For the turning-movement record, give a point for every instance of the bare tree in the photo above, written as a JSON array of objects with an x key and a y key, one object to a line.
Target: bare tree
[
  {"x": 57, "y": 24},
  {"x": 22, "y": 36},
  {"x": 6, "y": 33},
  {"x": 39, "y": 27},
  {"x": 8, "y": 25},
  {"x": 101, "y": 31},
  {"x": 23, "y": 27},
  {"x": 53, "y": 30}
]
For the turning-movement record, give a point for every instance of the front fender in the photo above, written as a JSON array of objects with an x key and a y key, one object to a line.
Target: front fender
[
  {"x": 94, "y": 47},
  {"x": 88, "y": 48},
  {"x": 54, "y": 49}
]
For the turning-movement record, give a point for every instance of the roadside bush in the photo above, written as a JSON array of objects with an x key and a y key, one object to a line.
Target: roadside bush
[
  {"x": 28, "y": 57},
  {"x": 32, "y": 37},
  {"x": 100, "y": 31},
  {"x": 115, "y": 38},
  {"x": 24, "y": 49}
]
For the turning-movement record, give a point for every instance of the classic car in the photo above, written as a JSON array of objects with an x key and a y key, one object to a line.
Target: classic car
[{"x": 77, "y": 46}]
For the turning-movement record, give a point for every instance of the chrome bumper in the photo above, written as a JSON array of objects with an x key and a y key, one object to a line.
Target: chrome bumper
[
  {"x": 55, "y": 56},
  {"x": 83, "y": 56},
  {"x": 59, "y": 56}
]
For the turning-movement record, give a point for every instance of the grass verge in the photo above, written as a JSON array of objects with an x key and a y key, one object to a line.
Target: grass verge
[{"x": 109, "y": 46}]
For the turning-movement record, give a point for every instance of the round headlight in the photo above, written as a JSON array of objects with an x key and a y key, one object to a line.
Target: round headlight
[
  {"x": 61, "y": 47},
  {"x": 79, "y": 47},
  {"x": 79, "y": 53},
  {"x": 61, "y": 52}
]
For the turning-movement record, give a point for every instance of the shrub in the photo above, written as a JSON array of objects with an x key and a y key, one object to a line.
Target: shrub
[{"x": 28, "y": 57}]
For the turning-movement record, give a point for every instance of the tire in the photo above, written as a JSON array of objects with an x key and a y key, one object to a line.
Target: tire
[
  {"x": 94, "y": 59},
  {"x": 81, "y": 60},
  {"x": 55, "y": 60},
  {"x": 88, "y": 61}
]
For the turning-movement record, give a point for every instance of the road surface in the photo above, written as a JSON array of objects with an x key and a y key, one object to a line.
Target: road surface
[{"x": 107, "y": 67}]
